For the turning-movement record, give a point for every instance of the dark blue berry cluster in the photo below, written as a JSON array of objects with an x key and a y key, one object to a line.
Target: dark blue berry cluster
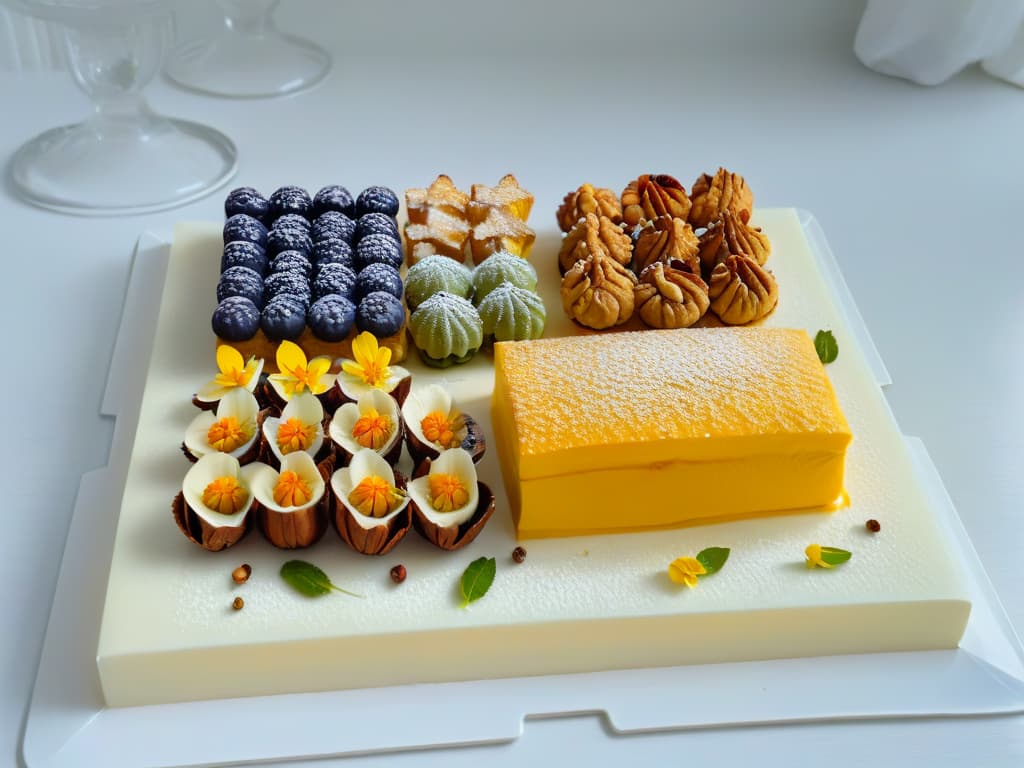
[{"x": 327, "y": 261}]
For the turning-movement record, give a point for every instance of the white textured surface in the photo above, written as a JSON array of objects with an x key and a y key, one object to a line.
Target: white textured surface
[{"x": 167, "y": 595}]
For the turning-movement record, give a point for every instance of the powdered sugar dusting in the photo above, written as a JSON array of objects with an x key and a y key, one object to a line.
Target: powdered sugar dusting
[{"x": 630, "y": 388}]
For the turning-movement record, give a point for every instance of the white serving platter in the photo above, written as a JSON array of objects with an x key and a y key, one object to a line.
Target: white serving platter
[{"x": 68, "y": 724}]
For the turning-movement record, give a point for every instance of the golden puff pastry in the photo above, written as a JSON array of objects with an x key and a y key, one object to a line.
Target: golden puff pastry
[
  {"x": 597, "y": 292},
  {"x": 653, "y": 195},
  {"x": 664, "y": 239},
  {"x": 742, "y": 291},
  {"x": 670, "y": 296},
  {"x": 725, "y": 191},
  {"x": 596, "y": 236},
  {"x": 588, "y": 199}
]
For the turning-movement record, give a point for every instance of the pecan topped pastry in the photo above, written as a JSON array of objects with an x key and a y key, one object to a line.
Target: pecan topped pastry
[
  {"x": 728, "y": 236},
  {"x": 588, "y": 199},
  {"x": 598, "y": 292},
  {"x": 670, "y": 296},
  {"x": 654, "y": 195},
  {"x": 725, "y": 191},
  {"x": 742, "y": 291},
  {"x": 663, "y": 239},
  {"x": 596, "y": 236}
]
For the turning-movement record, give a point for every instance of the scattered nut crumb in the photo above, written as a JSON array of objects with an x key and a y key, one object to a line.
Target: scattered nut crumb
[
  {"x": 519, "y": 554},
  {"x": 873, "y": 525},
  {"x": 237, "y": 603},
  {"x": 398, "y": 574},
  {"x": 241, "y": 574}
]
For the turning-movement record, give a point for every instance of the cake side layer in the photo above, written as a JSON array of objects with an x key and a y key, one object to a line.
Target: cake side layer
[
  {"x": 516, "y": 650},
  {"x": 720, "y": 424}
]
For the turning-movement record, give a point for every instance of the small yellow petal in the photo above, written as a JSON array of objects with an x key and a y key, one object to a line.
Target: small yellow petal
[
  {"x": 383, "y": 356},
  {"x": 364, "y": 348},
  {"x": 250, "y": 371},
  {"x": 352, "y": 368},
  {"x": 317, "y": 367},
  {"x": 290, "y": 356},
  {"x": 229, "y": 359}
]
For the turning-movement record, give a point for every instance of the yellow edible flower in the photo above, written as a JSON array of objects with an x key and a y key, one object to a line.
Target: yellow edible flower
[
  {"x": 373, "y": 429},
  {"x": 291, "y": 490},
  {"x": 375, "y": 497},
  {"x": 685, "y": 570},
  {"x": 233, "y": 372},
  {"x": 296, "y": 374},
  {"x": 825, "y": 557},
  {"x": 371, "y": 361},
  {"x": 293, "y": 435},
  {"x": 442, "y": 428},
  {"x": 225, "y": 495},
  {"x": 227, "y": 434},
  {"x": 447, "y": 492}
]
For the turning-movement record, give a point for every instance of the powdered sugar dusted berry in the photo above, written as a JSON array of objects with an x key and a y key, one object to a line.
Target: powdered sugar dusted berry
[
  {"x": 241, "y": 281},
  {"x": 248, "y": 201},
  {"x": 289, "y": 239},
  {"x": 293, "y": 221},
  {"x": 332, "y": 251},
  {"x": 291, "y": 261},
  {"x": 377, "y": 224},
  {"x": 333, "y": 198},
  {"x": 377, "y": 199},
  {"x": 330, "y": 317},
  {"x": 334, "y": 224},
  {"x": 290, "y": 282},
  {"x": 334, "y": 278},
  {"x": 378, "y": 249},
  {"x": 236, "y": 319},
  {"x": 379, "y": 277},
  {"x": 380, "y": 313},
  {"x": 244, "y": 254},
  {"x": 284, "y": 317},
  {"x": 289, "y": 200},
  {"x": 245, "y": 228}
]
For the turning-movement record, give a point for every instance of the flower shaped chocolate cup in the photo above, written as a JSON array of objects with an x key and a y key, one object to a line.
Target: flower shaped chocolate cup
[
  {"x": 305, "y": 410},
  {"x": 350, "y": 416},
  {"x": 233, "y": 373},
  {"x": 363, "y": 533},
  {"x": 238, "y": 409},
  {"x": 432, "y": 400},
  {"x": 210, "y": 528},
  {"x": 292, "y": 527},
  {"x": 453, "y": 529}
]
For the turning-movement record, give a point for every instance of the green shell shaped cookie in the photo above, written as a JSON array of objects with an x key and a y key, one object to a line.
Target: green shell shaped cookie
[
  {"x": 446, "y": 329},
  {"x": 510, "y": 313},
  {"x": 436, "y": 273},
  {"x": 502, "y": 267}
]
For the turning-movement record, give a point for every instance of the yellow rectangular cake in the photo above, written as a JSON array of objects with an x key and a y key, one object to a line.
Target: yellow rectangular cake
[{"x": 652, "y": 429}]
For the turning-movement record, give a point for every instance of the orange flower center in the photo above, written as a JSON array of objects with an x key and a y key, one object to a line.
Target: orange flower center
[
  {"x": 225, "y": 495},
  {"x": 372, "y": 430},
  {"x": 226, "y": 434},
  {"x": 293, "y": 435},
  {"x": 447, "y": 493},
  {"x": 440, "y": 429},
  {"x": 291, "y": 490},
  {"x": 375, "y": 497}
]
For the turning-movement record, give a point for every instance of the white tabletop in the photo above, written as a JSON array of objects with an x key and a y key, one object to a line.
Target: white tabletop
[{"x": 918, "y": 191}]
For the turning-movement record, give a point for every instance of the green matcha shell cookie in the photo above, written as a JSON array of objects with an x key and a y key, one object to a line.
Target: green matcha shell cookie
[
  {"x": 436, "y": 273},
  {"x": 510, "y": 313},
  {"x": 502, "y": 267},
  {"x": 446, "y": 329}
]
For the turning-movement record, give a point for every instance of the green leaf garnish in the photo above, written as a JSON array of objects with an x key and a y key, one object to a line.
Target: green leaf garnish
[
  {"x": 712, "y": 558},
  {"x": 826, "y": 346},
  {"x": 834, "y": 556},
  {"x": 309, "y": 580},
  {"x": 477, "y": 579}
]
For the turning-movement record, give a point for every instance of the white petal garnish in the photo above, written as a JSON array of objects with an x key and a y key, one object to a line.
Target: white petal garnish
[
  {"x": 211, "y": 392},
  {"x": 353, "y": 387},
  {"x": 300, "y": 462},
  {"x": 205, "y": 471},
  {"x": 365, "y": 462},
  {"x": 345, "y": 418},
  {"x": 239, "y": 403},
  {"x": 306, "y": 408},
  {"x": 455, "y": 461}
]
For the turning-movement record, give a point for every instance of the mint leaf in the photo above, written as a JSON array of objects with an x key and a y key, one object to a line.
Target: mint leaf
[
  {"x": 713, "y": 558},
  {"x": 834, "y": 556},
  {"x": 477, "y": 579},
  {"x": 308, "y": 579},
  {"x": 826, "y": 346}
]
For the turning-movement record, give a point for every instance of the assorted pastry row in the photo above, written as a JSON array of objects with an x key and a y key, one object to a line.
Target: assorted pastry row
[
  {"x": 318, "y": 444},
  {"x": 313, "y": 270},
  {"x": 664, "y": 255},
  {"x": 457, "y": 308}
]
